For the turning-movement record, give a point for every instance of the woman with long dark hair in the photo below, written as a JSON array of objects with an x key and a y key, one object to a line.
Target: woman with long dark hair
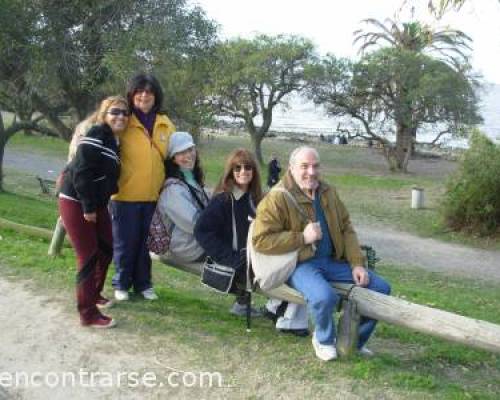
[
  {"x": 239, "y": 189},
  {"x": 87, "y": 184},
  {"x": 183, "y": 198},
  {"x": 143, "y": 151}
]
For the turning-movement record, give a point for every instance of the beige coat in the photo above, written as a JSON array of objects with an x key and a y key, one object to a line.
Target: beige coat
[{"x": 279, "y": 225}]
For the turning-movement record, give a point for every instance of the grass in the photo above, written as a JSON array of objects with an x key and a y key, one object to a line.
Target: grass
[
  {"x": 372, "y": 194},
  {"x": 408, "y": 364}
]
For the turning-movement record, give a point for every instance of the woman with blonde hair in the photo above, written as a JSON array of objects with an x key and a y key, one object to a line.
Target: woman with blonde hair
[
  {"x": 239, "y": 191},
  {"x": 88, "y": 182}
]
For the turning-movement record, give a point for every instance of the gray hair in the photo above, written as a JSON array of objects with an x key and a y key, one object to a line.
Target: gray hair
[{"x": 298, "y": 150}]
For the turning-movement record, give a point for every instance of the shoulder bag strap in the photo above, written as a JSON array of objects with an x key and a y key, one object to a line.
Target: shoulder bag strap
[
  {"x": 235, "y": 233},
  {"x": 294, "y": 202}
]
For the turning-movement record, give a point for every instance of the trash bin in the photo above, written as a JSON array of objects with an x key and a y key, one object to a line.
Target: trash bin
[{"x": 417, "y": 198}]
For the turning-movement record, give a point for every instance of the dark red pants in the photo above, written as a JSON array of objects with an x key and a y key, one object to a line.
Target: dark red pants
[{"x": 93, "y": 246}]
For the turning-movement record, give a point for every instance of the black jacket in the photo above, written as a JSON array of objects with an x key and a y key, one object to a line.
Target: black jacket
[
  {"x": 92, "y": 176},
  {"x": 274, "y": 170},
  {"x": 214, "y": 232}
]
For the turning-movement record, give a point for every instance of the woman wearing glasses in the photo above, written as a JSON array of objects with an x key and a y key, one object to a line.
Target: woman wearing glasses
[
  {"x": 143, "y": 150},
  {"x": 87, "y": 184},
  {"x": 240, "y": 187}
]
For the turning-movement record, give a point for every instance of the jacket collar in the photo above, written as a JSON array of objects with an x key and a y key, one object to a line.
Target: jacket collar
[
  {"x": 134, "y": 121},
  {"x": 237, "y": 193}
]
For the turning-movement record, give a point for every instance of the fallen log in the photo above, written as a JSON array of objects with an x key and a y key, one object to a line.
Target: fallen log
[
  {"x": 443, "y": 324},
  {"x": 26, "y": 229}
]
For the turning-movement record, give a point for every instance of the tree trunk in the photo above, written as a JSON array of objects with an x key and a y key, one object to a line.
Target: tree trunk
[
  {"x": 3, "y": 142},
  {"x": 402, "y": 152},
  {"x": 257, "y": 145}
]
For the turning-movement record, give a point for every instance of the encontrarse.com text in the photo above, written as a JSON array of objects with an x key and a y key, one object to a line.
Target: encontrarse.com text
[{"x": 131, "y": 379}]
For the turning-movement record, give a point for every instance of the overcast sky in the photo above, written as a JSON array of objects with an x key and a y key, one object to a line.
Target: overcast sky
[{"x": 330, "y": 24}]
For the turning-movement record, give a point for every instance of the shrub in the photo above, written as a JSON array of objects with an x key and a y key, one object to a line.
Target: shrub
[{"x": 472, "y": 199}]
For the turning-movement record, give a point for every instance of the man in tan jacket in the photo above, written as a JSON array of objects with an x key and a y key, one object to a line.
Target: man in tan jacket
[{"x": 318, "y": 225}]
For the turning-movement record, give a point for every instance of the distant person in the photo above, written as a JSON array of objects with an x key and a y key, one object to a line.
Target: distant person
[
  {"x": 327, "y": 244},
  {"x": 143, "y": 149},
  {"x": 274, "y": 169},
  {"x": 336, "y": 139},
  {"x": 87, "y": 184},
  {"x": 183, "y": 198}
]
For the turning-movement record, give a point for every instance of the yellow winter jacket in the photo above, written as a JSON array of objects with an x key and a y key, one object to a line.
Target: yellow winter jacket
[
  {"x": 142, "y": 171},
  {"x": 279, "y": 225}
]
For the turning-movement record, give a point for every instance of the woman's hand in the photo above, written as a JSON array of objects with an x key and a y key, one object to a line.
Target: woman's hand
[{"x": 90, "y": 217}]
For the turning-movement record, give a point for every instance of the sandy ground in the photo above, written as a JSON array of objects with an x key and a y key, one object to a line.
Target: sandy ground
[{"x": 42, "y": 342}]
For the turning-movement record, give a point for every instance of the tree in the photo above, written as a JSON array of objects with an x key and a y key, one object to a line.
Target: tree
[
  {"x": 449, "y": 45},
  {"x": 440, "y": 7},
  {"x": 179, "y": 49},
  {"x": 421, "y": 76},
  {"x": 252, "y": 77},
  {"x": 60, "y": 58},
  {"x": 395, "y": 92}
]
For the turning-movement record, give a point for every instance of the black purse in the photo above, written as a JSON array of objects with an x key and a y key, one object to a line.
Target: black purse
[{"x": 217, "y": 276}]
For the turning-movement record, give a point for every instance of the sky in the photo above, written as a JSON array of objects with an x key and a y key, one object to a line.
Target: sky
[{"x": 330, "y": 23}]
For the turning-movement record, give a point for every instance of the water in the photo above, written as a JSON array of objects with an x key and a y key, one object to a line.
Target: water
[{"x": 303, "y": 117}]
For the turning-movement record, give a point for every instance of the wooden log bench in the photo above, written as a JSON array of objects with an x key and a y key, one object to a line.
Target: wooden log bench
[{"x": 358, "y": 301}]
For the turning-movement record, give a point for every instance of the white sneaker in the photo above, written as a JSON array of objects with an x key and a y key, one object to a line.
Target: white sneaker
[
  {"x": 149, "y": 294},
  {"x": 325, "y": 352},
  {"x": 365, "y": 351},
  {"x": 121, "y": 295}
]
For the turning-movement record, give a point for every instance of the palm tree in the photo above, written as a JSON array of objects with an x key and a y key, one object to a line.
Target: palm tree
[{"x": 449, "y": 45}]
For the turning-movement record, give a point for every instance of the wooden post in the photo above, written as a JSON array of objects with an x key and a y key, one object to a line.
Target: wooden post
[
  {"x": 348, "y": 329},
  {"x": 57, "y": 239}
]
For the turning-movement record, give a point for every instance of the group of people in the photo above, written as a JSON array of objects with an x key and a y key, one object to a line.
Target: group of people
[{"x": 127, "y": 160}]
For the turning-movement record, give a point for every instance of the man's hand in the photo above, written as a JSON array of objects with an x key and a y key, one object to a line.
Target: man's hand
[
  {"x": 360, "y": 276},
  {"x": 90, "y": 217},
  {"x": 312, "y": 232}
]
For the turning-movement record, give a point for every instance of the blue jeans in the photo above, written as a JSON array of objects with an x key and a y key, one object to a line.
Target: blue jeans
[
  {"x": 312, "y": 278},
  {"x": 130, "y": 222}
]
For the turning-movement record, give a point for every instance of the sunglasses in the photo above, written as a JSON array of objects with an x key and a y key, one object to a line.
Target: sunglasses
[
  {"x": 239, "y": 167},
  {"x": 118, "y": 111},
  {"x": 145, "y": 91}
]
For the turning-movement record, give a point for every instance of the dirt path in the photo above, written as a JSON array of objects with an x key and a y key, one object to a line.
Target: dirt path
[
  {"x": 430, "y": 254},
  {"x": 45, "y": 166},
  {"x": 43, "y": 343}
]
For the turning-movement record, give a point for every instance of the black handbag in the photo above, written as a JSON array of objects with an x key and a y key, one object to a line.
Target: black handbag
[{"x": 217, "y": 276}]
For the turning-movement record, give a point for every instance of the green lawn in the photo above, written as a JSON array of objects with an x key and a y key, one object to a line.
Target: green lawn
[
  {"x": 408, "y": 365},
  {"x": 411, "y": 365},
  {"x": 372, "y": 194}
]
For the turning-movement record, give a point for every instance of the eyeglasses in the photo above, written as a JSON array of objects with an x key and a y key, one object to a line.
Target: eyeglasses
[
  {"x": 239, "y": 167},
  {"x": 118, "y": 111}
]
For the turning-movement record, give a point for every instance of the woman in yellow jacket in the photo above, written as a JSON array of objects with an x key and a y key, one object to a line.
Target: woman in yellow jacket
[{"x": 143, "y": 148}]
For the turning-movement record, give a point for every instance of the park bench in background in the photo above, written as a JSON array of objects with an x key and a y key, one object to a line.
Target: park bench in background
[{"x": 47, "y": 186}]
